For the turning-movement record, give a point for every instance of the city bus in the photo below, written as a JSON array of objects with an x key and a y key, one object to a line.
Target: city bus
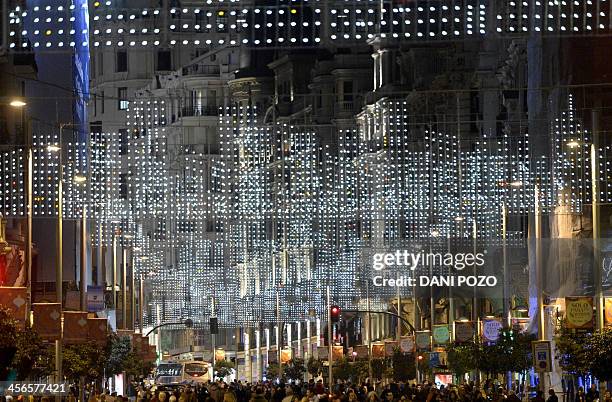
[{"x": 171, "y": 373}]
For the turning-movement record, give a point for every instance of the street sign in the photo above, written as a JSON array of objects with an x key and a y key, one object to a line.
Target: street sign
[{"x": 541, "y": 356}]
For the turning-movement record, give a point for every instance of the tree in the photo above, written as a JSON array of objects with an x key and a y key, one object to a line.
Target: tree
[
  {"x": 84, "y": 360},
  {"x": 272, "y": 371},
  {"x": 599, "y": 354},
  {"x": 223, "y": 368},
  {"x": 314, "y": 367},
  {"x": 378, "y": 368},
  {"x": 33, "y": 359},
  {"x": 404, "y": 368},
  {"x": 515, "y": 350},
  {"x": 295, "y": 369},
  {"x": 571, "y": 351},
  {"x": 342, "y": 369},
  {"x": 461, "y": 357},
  {"x": 21, "y": 350},
  {"x": 118, "y": 347},
  {"x": 361, "y": 370},
  {"x": 135, "y": 367},
  {"x": 8, "y": 341}
]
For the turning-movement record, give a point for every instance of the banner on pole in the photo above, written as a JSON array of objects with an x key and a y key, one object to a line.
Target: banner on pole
[
  {"x": 423, "y": 340},
  {"x": 464, "y": 331},
  {"x": 15, "y": 300},
  {"x": 219, "y": 354},
  {"x": 361, "y": 350},
  {"x": 490, "y": 329},
  {"x": 76, "y": 329},
  {"x": 579, "y": 312},
  {"x": 48, "y": 320},
  {"x": 407, "y": 344},
  {"x": 97, "y": 329},
  {"x": 378, "y": 350},
  {"x": 95, "y": 298},
  {"x": 441, "y": 334},
  {"x": 608, "y": 310},
  {"x": 337, "y": 352},
  {"x": 286, "y": 355},
  {"x": 390, "y": 347},
  {"x": 323, "y": 352}
]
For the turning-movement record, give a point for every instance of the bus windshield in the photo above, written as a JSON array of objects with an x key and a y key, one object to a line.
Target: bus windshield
[
  {"x": 169, "y": 370},
  {"x": 194, "y": 369}
]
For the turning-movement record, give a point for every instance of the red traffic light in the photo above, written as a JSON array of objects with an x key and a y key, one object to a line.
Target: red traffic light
[{"x": 334, "y": 313}]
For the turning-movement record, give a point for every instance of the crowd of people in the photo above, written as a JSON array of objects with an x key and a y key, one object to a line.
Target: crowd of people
[
  {"x": 312, "y": 391},
  {"x": 237, "y": 391}
]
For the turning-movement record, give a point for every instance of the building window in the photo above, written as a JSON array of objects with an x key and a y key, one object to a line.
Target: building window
[
  {"x": 123, "y": 186},
  {"x": 123, "y": 135},
  {"x": 122, "y": 61},
  {"x": 102, "y": 100},
  {"x": 164, "y": 60},
  {"x": 347, "y": 91},
  {"x": 123, "y": 103}
]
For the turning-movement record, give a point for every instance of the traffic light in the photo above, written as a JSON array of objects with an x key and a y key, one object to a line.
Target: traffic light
[
  {"x": 334, "y": 313},
  {"x": 214, "y": 325}
]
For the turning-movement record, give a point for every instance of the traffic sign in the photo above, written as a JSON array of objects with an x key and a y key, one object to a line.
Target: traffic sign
[{"x": 541, "y": 356}]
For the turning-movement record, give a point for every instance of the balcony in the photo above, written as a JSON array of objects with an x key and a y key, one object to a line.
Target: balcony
[
  {"x": 194, "y": 111},
  {"x": 345, "y": 108},
  {"x": 201, "y": 69}
]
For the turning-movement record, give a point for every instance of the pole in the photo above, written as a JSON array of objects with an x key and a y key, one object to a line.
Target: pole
[
  {"x": 133, "y": 294},
  {"x": 369, "y": 331},
  {"x": 506, "y": 297},
  {"x": 213, "y": 336},
  {"x": 599, "y": 300},
  {"x": 83, "y": 262},
  {"x": 279, "y": 335},
  {"x": 506, "y": 290},
  {"x": 114, "y": 283},
  {"x": 539, "y": 277},
  {"x": 60, "y": 256},
  {"x": 329, "y": 341},
  {"x": 100, "y": 275},
  {"x": 124, "y": 294},
  {"x": 141, "y": 302},
  {"x": 30, "y": 211},
  {"x": 399, "y": 312}
]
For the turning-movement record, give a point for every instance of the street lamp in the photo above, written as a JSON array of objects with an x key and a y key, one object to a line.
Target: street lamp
[
  {"x": 17, "y": 103},
  {"x": 59, "y": 240}
]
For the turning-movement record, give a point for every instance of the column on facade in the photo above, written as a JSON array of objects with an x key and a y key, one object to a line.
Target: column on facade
[
  {"x": 375, "y": 75},
  {"x": 248, "y": 367},
  {"x": 309, "y": 344},
  {"x": 258, "y": 361},
  {"x": 289, "y": 340},
  {"x": 299, "y": 339}
]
